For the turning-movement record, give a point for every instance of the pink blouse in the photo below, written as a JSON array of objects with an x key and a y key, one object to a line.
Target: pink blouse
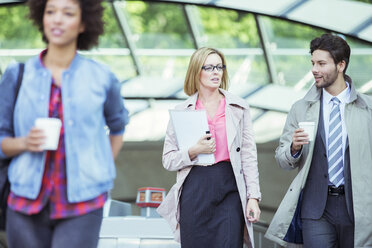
[{"x": 217, "y": 127}]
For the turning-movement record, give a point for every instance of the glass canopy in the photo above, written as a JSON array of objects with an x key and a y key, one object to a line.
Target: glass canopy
[{"x": 148, "y": 45}]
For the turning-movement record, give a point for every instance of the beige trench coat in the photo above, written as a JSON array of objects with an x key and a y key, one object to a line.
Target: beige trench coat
[
  {"x": 358, "y": 121},
  {"x": 239, "y": 131}
]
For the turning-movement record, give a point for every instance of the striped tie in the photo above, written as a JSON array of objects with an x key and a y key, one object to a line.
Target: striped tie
[{"x": 335, "y": 161}]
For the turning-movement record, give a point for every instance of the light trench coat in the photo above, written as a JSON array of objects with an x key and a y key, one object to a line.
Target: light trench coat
[
  {"x": 358, "y": 119},
  {"x": 243, "y": 157}
]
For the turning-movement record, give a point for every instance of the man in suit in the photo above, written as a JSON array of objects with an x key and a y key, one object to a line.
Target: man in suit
[
  {"x": 327, "y": 219},
  {"x": 332, "y": 177}
]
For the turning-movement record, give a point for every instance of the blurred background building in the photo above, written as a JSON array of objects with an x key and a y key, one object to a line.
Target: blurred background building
[{"x": 148, "y": 45}]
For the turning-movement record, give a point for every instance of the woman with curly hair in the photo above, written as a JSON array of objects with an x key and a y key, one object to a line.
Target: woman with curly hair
[{"x": 57, "y": 196}]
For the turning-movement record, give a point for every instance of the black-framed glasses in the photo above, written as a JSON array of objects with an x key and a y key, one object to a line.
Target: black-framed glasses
[{"x": 210, "y": 68}]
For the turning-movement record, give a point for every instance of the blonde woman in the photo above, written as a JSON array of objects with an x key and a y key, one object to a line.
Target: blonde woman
[{"x": 213, "y": 206}]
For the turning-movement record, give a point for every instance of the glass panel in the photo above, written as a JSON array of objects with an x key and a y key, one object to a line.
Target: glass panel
[
  {"x": 289, "y": 48},
  {"x": 158, "y": 25},
  {"x": 223, "y": 28},
  {"x": 112, "y": 49},
  {"x": 163, "y": 45},
  {"x": 235, "y": 33},
  {"x": 360, "y": 64},
  {"x": 289, "y": 45},
  {"x": 113, "y": 36},
  {"x": 165, "y": 67},
  {"x": 246, "y": 73},
  {"x": 151, "y": 123},
  {"x": 19, "y": 40}
]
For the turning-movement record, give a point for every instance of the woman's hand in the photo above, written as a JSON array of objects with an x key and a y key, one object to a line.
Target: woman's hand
[
  {"x": 34, "y": 140},
  {"x": 253, "y": 210},
  {"x": 31, "y": 143},
  {"x": 206, "y": 144}
]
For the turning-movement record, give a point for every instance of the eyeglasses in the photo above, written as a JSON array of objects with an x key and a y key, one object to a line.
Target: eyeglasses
[{"x": 210, "y": 68}]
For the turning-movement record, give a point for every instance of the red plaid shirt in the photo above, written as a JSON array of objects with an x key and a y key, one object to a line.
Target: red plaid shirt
[{"x": 54, "y": 183}]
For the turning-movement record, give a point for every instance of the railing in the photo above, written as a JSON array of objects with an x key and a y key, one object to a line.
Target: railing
[{"x": 259, "y": 230}]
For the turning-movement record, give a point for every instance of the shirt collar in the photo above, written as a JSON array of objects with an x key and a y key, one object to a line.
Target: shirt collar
[
  {"x": 344, "y": 96},
  {"x": 73, "y": 64},
  {"x": 41, "y": 56}
]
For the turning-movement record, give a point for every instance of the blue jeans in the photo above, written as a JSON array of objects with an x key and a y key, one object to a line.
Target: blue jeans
[{"x": 39, "y": 231}]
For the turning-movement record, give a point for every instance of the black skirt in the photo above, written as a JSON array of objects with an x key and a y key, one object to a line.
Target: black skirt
[{"x": 211, "y": 213}]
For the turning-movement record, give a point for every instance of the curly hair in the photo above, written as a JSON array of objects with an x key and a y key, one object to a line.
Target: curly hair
[{"x": 91, "y": 17}]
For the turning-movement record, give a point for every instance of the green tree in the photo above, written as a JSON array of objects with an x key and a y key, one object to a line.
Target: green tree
[{"x": 16, "y": 29}]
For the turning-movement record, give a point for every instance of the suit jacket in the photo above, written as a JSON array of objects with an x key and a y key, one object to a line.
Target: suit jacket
[
  {"x": 358, "y": 119},
  {"x": 316, "y": 189},
  {"x": 243, "y": 157}
]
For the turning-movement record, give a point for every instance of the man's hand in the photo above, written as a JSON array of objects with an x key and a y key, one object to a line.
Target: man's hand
[{"x": 299, "y": 139}]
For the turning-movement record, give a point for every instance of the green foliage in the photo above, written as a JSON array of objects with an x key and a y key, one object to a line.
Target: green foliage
[
  {"x": 290, "y": 35},
  {"x": 364, "y": 1},
  {"x": 158, "y": 25},
  {"x": 113, "y": 36},
  {"x": 16, "y": 29},
  {"x": 161, "y": 25},
  {"x": 228, "y": 28}
]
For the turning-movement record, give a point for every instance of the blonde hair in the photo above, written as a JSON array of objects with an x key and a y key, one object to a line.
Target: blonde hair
[{"x": 197, "y": 60}]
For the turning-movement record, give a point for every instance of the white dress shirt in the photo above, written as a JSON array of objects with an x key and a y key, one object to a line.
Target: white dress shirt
[{"x": 344, "y": 98}]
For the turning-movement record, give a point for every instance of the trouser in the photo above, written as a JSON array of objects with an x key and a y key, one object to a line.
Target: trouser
[
  {"x": 333, "y": 230},
  {"x": 39, "y": 231}
]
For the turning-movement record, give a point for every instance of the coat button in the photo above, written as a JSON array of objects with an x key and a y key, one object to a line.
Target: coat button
[
  {"x": 241, "y": 171},
  {"x": 238, "y": 149},
  {"x": 325, "y": 175}
]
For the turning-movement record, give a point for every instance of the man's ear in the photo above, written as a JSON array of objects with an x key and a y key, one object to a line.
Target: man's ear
[{"x": 341, "y": 66}]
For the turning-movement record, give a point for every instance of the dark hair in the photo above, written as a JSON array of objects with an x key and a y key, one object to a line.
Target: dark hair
[
  {"x": 335, "y": 45},
  {"x": 91, "y": 17}
]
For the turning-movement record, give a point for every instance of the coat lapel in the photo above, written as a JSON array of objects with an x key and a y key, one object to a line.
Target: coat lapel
[
  {"x": 321, "y": 125},
  {"x": 315, "y": 110},
  {"x": 234, "y": 110},
  {"x": 233, "y": 117}
]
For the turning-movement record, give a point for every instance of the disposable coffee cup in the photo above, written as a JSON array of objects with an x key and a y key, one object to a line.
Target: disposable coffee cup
[
  {"x": 309, "y": 128},
  {"x": 51, "y": 128}
]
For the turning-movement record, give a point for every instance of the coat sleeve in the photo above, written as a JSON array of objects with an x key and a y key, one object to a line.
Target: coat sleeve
[
  {"x": 249, "y": 158},
  {"x": 174, "y": 159},
  {"x": 283, "y": 154}
]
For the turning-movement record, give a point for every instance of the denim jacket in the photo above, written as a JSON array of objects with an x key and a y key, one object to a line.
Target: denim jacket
[{"x": 91, "y": 101}]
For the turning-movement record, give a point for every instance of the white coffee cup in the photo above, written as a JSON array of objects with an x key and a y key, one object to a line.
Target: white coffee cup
[
  {"x": 309, "y": 128},
  {"x": 51, "y": 128}
]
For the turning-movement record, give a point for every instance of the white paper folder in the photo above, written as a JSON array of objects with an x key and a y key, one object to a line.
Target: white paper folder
[{"x": 190, "y": 126}]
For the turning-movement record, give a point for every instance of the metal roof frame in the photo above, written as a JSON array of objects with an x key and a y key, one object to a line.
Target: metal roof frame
[{"x": 330, "y": 15}]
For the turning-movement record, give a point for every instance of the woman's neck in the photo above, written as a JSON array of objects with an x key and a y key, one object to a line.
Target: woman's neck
[
  {"x": 59, "y": 57},
  {"x": 208, "y": 96}
]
